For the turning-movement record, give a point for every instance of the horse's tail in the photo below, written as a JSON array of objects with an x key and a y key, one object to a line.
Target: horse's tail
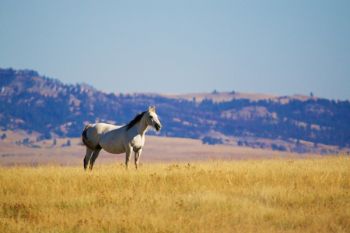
[{"x": 84, "y": 138}]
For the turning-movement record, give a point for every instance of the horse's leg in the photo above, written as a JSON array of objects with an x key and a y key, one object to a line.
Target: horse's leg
[
  {"x": 94, "y": 157},
  {"x": 87, "y": 157},
  {"x": 127, "y": 157},
  {"x": 137, "y": 157}
]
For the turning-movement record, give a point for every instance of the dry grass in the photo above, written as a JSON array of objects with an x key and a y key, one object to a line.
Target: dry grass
[{"x": 311, "y": 195}]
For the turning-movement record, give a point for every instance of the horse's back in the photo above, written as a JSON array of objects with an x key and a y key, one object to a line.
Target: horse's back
[
  {"x": 93, "y": 133},
  {"x": 102, "y": 128}
]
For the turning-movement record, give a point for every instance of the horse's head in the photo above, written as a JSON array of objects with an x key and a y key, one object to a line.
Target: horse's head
[{"x": 152, "y": 118}]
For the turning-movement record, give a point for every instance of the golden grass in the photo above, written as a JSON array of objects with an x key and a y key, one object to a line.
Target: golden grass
[{"x": 311, "y": 195}]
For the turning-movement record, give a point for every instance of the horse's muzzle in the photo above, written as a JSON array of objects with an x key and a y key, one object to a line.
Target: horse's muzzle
[{"x": 157, "y": 126}]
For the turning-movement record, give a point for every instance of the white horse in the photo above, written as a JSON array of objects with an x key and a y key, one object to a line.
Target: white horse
[{"x": 119, "y": 139}]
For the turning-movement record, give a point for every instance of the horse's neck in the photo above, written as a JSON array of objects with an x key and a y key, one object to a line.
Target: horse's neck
[{"x": 141, "y": 127}]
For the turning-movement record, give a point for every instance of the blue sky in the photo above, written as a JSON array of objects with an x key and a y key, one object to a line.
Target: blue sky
[{"x": 278, "y": 47}]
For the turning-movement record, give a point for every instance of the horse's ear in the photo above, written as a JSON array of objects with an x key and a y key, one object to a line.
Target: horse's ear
[{"x": 152, "y": 108}]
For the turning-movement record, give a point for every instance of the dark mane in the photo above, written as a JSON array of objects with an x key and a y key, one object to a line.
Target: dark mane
[{"x": 135, "y": 120}]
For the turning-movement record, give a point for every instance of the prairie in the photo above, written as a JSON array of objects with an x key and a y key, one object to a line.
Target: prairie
[{"x": 270, "y": 195}]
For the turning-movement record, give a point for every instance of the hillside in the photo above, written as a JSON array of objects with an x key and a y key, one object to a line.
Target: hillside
[
  {"x": 31, "y": 102},
  {"x": 19, "y": 148}
]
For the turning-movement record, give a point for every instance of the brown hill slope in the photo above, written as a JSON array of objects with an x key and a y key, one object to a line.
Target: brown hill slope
[{"x": 157, "y": 149}]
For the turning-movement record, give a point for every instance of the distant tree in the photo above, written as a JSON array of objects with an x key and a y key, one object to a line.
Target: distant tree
[
  {"x": 54, "y": 142},
  {"x": 278, "y": 147},
  {"x": 68, "y": 143},
  {"x": 44, "y": 136},
  {"x": 3, "y": 136},
  {"x": 26, "y": 141},
  {"x": 211, "y": 141},
  {"x": 215, "y": 92},
  {"x": 311, "y": 94}
]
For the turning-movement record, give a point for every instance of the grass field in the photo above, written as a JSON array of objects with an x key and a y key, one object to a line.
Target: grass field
[{"x": 278, "y": 195}]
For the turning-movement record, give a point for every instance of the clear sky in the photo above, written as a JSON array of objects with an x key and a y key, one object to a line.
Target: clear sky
[{"x": 278, "y": 47}]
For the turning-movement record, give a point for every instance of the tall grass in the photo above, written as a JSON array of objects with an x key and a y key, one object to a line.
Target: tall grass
[{"x": 311, "y": 195}]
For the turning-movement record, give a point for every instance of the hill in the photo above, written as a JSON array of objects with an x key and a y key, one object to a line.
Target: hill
[{"x": 34, "y": 103}]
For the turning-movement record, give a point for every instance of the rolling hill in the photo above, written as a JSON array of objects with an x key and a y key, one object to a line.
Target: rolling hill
[{"x": 34, "y": 103}]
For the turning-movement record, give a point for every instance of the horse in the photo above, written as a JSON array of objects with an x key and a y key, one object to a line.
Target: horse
[{"x": 118, "y": 139}]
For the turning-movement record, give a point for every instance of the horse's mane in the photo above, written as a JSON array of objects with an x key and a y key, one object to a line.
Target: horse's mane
[{"x": 135, "y": 120}]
